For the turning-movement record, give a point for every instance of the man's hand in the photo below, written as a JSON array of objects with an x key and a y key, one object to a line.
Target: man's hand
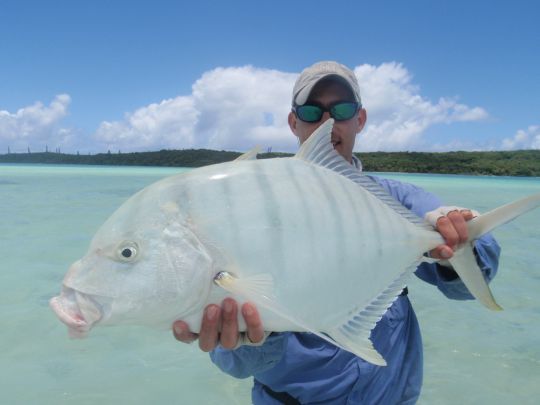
[
  {"x": 220, "y": 326},
  {"x": 453, "y": 229}
]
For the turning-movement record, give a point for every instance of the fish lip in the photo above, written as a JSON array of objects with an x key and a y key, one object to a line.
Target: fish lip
[{"x": 78, "y": 318}]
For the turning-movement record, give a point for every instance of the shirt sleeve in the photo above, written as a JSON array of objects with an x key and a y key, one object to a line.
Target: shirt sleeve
[
  {"x": 486, "y": 248},
  {"x": 247, "y": 361}
]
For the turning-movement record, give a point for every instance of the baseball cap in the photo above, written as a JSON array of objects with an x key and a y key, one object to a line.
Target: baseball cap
[{"x": 311, "y": 75}]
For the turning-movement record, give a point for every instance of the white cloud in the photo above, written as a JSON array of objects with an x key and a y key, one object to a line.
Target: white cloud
[
  {"x": 35, "y": 125},
  {"x": 167, "y": 124},
  {"x": 241, "y": 107},
  {"x": 524, "y": 139},
  {"x": 398, "y": 115},
  {"x": 237, "y": 108},
  {"x": 229, "y": 108}
]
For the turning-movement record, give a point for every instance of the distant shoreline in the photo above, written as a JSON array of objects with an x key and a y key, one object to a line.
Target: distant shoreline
[{"x": 500, "y": 163}]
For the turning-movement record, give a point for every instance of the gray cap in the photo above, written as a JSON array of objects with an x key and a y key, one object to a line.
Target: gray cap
[{"x": 310, "y": 76}]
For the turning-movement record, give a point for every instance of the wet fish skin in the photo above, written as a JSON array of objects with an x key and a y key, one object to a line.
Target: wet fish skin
[{"x": 284, "y": 233}]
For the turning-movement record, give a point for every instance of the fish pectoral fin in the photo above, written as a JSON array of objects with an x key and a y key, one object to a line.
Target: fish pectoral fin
[
  {"x": 465, "y": 265},
  {"x": 258, "y": 285},
  {"x": 249, "y": 155}
]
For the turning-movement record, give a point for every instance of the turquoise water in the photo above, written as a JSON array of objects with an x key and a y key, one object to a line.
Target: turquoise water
[{"x": 48, "y": 215}]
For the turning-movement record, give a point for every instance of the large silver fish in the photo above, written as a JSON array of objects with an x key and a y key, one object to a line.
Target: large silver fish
[{"x": 316, "y": 245}]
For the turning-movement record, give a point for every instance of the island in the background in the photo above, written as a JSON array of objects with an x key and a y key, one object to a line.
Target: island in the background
[{"x": 499, "y": 163}]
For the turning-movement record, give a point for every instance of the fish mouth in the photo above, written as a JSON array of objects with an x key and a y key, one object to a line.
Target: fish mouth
[{"x": 77, "y": 310}]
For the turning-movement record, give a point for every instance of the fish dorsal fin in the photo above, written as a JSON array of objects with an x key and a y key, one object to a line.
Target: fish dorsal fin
[
  {"x": 318, "y": 150},
  {"x": 249, "y": 155},
  {"x": 259, "y": 290}
]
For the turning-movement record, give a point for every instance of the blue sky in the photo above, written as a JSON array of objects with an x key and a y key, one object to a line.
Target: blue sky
[{"x": 135, "y": 75}]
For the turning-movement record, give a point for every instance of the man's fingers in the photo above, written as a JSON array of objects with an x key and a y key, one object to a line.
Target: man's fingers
[
  {"x": 208, "y": 336},
  {"x": 441, "y": 252},
  {"x": 467, "y": 215},
  {"x": 447, "y": 231},
  {"x": 255, "y": 330},
  {"x": 229, "y": 323},
  {"x": 220, "y": 325},
  {"x": 458, "y": 221},
  {"x": 182, "y": 333}
]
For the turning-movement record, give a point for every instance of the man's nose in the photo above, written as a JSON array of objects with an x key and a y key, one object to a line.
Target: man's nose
[{"x": 325, "y": 116}]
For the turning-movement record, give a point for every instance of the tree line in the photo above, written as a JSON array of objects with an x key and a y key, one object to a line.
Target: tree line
[{"x": 499, "y": 163}]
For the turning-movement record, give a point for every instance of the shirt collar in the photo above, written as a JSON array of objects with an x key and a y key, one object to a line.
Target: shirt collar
[{"x": 356, "y": 163}]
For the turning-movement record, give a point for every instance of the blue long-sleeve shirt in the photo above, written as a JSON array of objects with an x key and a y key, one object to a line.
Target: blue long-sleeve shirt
[{"x": 316, "y": 372}]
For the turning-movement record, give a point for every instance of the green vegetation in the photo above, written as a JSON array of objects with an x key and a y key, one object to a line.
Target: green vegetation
[
  {"x": 505, "y": 163},
  {"x": 502, "y": 163}
]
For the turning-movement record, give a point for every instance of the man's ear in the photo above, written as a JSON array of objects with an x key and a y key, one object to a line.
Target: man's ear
[
  {"x": 291, "y": 119},
  {"x": 362, "y": 118}
]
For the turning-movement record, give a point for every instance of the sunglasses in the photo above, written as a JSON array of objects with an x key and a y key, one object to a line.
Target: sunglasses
[{"x": 340, "y": 111}]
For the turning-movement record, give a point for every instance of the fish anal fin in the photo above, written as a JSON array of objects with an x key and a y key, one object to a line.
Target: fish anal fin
[
  {"x": 362, "y": 348},
  {"x": 258, "y": 289},
  {"x": 354, "y": 330}
]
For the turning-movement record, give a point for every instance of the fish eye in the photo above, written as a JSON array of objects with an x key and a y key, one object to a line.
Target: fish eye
[{"x": 127, "y": 251}]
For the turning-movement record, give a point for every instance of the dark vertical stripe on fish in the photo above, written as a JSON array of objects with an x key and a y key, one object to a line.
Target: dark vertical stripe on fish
[
  {"x": 231, "y": 217},
  {"x": 273, "y": 218},
  {"x": 374, "y": 226},
  {"x": 347, "y": 188},
  {"x": 333, "y": 209},
  {"x": 292, "y": 170}
]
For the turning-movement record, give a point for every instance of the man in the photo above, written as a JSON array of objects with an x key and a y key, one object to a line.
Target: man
[{"x": 294, "y": 368}]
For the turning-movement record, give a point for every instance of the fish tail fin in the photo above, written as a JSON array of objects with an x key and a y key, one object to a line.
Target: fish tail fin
[
  {"x": 499, "y": 216},
  {"x": 464, "y": 260},
  {"x": 465, "y": 265}
]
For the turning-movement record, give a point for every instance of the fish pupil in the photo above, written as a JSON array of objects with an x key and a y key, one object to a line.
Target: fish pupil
[{"x": 126, "y": 253}]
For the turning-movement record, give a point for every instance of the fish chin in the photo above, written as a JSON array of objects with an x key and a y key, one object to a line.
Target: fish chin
[{"x": 79, "y": 311}]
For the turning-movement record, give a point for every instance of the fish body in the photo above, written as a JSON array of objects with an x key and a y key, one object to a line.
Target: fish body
[
  {"x": 316, "y": 245},
  {"x": 329, "y": 245}
]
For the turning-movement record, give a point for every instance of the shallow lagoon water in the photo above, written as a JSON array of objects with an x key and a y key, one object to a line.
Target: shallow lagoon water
[{"x": 48, "y": 215}]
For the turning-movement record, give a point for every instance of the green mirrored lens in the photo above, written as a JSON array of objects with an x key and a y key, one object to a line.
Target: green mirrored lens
[
  {"x": 309, "y": 113},
  {"x": 343, "y": 111}
]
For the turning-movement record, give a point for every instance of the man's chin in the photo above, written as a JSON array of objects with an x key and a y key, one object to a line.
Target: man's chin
[{"x": 339, "y": 149}]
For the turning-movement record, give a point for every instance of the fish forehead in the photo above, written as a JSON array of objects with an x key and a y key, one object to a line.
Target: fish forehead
[{"x": 148, "y": 211}]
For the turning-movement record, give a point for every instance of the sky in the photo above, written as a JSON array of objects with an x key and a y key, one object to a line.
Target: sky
[{"x": 150, "y": 75}]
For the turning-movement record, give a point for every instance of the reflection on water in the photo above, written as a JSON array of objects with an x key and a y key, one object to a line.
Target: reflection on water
[{"x": 471, "y": 354}]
